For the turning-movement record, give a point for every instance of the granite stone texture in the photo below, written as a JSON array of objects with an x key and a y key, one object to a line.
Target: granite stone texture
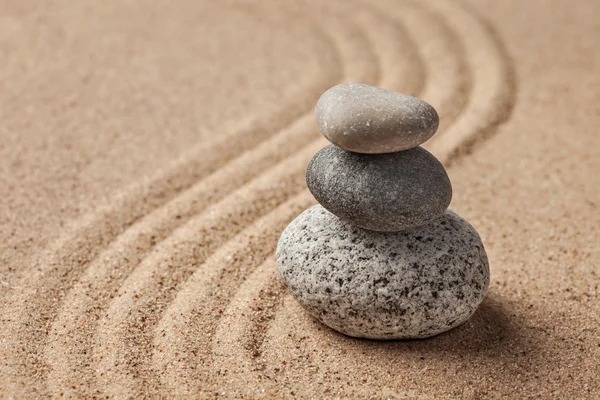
[
  {"x": 381, "y": 192},
  {"x": 371, "y": 120},
  {"x": 412, "y": 284}
]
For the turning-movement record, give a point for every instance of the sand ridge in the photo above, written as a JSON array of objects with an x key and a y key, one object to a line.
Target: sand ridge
[{"x": 169, "y": 289}]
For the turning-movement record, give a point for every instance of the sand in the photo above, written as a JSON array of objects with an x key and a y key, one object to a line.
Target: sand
[{"x": 151, "y": 154}]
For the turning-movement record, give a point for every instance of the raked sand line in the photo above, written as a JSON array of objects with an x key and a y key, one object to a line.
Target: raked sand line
[
  {"x": 72, "y": 252},
  {"x": 350, "y": 50},
  {"x": 493, "y": 83},
  {"x": 83, "y": 242},
  {"x": 134, "y": 243},
  {"x": 243, "y": 356},
  {"x": 69, "y": 341},
  {"x": 449, "y": 83},
  {"x": 165, "y": 342},
  {"x": 443, "y": 68},
  {"x": 182, "y": 343},
  {"x": 129, "y": 208},
  {"x": 76, "y": 250},
  {"x": 404, "y": 69},
  {"x": 238, "y": 340},
  {"x": 64, "y": 365},
  {"x": 174, "y": 336},
  {"x": 124, "y": 333},
  {"x": 176, "y": 370}
]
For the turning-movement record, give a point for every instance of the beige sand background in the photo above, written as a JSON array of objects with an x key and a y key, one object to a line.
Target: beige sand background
[{"x": 152, "y": 152}]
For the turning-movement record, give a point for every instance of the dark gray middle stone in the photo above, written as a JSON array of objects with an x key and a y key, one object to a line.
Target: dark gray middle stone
[{"x": 381, "y": 192}]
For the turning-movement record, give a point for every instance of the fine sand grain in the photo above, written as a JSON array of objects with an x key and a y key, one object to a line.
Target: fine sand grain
[{"x": 152, "y": 153}]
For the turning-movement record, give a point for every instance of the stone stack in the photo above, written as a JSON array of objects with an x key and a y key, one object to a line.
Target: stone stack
[{"x": 382, "y": 257}]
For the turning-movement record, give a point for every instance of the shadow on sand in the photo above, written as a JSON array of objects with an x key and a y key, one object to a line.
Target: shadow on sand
[{"x": 495, "y": 344}]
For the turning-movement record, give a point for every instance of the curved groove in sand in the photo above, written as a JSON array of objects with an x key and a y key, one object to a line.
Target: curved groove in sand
[
  {"x": 240, "y": 338},
  {"x": 81, "y": 244},
  {"x": 363, "y": 71},
  {"x": 190, "y": 320},
  {"x": 440, "y": 54},
  {"x": 167, "y": 341},
  {"x": 401, "y": 55},
  {"x": 81, "y": 306},
  {"x": 178, "y": 329},
  {"x": 125, "y": 328},
  {"x": 447, "y": 80},
  {"x": 493, "y": 87},
  {"x": 175, "y": 368},
  {"x": 85, "y": 302}
]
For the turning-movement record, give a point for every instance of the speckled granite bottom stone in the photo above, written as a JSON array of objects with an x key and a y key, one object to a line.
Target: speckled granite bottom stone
[{"x": 384, "y": 285}]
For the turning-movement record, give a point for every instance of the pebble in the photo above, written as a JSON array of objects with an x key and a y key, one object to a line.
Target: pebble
[
  {"x": 382, "y": 192},
  {"x": 411, "y": 284},
  {"x": 367, "y": 119}
]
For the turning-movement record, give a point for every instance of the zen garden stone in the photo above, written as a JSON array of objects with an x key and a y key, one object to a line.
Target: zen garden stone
[
  {"x": 367, "y": 119},
  {"x": 410, "y": 284},
  {"x": 382, "y": 257},
  {"x": 382, "y": 192}
]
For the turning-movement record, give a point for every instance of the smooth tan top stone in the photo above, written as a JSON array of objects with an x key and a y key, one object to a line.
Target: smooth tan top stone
[{"x": 367, "y": 119}]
